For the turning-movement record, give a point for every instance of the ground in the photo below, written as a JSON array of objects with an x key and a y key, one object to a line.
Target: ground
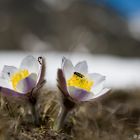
[{"x": 115, "y": 116}]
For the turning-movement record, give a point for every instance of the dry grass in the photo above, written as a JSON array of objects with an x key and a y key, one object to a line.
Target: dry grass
[{"x": 113, "y": 117}]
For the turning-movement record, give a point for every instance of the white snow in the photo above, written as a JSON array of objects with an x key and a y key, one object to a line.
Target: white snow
[{"x": 121, "y": 73}]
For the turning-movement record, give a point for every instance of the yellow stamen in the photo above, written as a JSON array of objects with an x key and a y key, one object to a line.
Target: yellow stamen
[
  {"x": 18, "y": 76},
  {"x": 80, "y": 81}
]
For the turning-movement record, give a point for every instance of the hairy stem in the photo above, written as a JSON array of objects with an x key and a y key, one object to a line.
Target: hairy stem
[
  {"x": 35, "y": 114},
  {"x": 61, "y": 118}
]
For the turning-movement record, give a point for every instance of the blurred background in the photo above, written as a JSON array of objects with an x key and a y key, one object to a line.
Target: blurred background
[
  {"x": 106, "y": 33},
  {"x": 97, "y": 28}
]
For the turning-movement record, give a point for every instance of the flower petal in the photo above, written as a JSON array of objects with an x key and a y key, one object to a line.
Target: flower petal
[
  {"x": 98, "y": 88},
  {"x": 104, "y": 91},
  {"x": 27, "y": 84},
  {"x": 81, "y": 67},
  {"x": 62, "y": 85},
  {"x": 92, "y": 96},
  {"x": 14, "y": 96},
  {"x": 9, "y": 92},
  {"x": 67, "y": 68},
  {"x": 8, "y": 71},
  {"x": 77, "y": 93},
  {"x": 98, "y": 82},
  {"x": 31, "y": 64},
  {"x": 4, "y": 83},
  {"x": 97, "y": 78}
]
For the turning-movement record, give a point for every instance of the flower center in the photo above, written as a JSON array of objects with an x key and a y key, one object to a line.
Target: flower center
[
  {"x": 18, "y": 76},
  {"x": 80, "y": 81}
]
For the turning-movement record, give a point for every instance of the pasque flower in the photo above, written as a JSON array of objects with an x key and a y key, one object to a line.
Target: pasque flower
[
  {"x": 77, "y": 85},
  {"x": 22, "y": 84},
  {"x": 22, "y": 80}
]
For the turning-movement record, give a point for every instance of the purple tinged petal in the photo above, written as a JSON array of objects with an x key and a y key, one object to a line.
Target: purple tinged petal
[
  {"x": 83, "y": 95},
  {"x": 91, "y": 96},
  {"x": 27, "y": 84},
  {"x": 14, "y": 96},
  {"x": 77, "y": 93},
  {"x": 62, "y": 82},
  {"x": 10, "y": 92}
]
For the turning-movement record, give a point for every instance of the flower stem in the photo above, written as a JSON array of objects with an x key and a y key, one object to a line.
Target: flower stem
[
  {"x": 35, "y": 115},
  {"x": 61, "y": 118}
]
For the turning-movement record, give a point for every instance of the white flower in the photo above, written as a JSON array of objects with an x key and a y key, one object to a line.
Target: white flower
[
  {"x": 23, "y": 79},
  {"x": 78, "y": 84}
]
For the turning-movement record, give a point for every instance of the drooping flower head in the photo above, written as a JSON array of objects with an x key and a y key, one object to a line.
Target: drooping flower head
[
  {"x": 76, "y": 83},
  {"x": 23, "y": 79}
]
